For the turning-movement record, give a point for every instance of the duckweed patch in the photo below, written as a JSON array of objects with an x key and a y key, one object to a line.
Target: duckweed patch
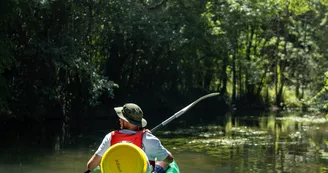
[
  {"x": 247, "y": 131},
  {"x": 216, "y": 142},
  {"x": 305, "y": 119}
]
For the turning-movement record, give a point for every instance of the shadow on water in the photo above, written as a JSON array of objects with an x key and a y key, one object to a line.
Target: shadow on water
[
  {"x": 30, "y": 140},
  {"x": 45, "y": 146}
]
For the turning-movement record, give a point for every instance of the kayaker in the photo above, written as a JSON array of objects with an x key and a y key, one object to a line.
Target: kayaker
[{"x": 132, "y": 130}]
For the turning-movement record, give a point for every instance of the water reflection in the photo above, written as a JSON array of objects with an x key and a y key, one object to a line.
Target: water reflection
[{"x": 268, "y": 143}]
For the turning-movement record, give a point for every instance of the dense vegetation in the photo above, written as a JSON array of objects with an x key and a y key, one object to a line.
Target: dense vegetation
[{"x": 62, "y": 57}]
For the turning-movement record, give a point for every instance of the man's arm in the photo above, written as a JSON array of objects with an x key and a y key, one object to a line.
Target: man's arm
[
  {"x": 94, "y": 162},
  {"x": 96, "y": 158},
  {"x": 169, "y": 158},
  {"x": 165, "y": 163}
]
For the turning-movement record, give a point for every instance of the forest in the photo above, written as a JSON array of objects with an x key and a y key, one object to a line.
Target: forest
[{"x": 65, "y": 58}]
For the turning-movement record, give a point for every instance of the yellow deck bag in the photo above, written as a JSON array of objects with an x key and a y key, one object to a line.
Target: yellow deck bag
[{"x": 124, "y": 158}]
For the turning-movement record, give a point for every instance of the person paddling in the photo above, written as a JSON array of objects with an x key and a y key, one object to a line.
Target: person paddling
[{"x": 132, "y": 130}]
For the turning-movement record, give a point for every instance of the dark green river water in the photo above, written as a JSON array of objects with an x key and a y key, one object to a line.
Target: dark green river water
[{"x": 277, "y": 143}]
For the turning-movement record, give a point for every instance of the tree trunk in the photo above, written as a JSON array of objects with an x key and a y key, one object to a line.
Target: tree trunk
[
  {"x": 266, "y": 70},
  {"x": 234, "y": 75},
  {"x": 249, "y": 86},
  {"x": 276, "y": 72},
  {"x": 224, "y": 74}
]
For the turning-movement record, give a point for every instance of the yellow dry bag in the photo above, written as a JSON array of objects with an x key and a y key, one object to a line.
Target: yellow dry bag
[{"x": 124, "y": 158}]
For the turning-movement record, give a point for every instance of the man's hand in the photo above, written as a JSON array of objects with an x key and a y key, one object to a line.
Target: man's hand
[{"x": 148, "y": 131}]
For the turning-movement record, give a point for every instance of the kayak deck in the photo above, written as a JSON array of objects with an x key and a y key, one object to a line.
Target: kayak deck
[{"x": 173, "y": 168}]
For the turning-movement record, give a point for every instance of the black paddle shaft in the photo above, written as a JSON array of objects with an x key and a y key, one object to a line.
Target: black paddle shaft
[{"x": 182, "y": 111}]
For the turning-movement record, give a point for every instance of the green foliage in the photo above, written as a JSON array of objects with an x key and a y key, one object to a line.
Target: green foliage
[
  {"x": 5, "y": 57},
  {"x": 55, "y": 69},
  {"x": 320, "y": 99}
]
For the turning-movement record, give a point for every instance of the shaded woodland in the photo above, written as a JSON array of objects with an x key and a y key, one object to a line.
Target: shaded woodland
[{"x": 63, "y": 58}]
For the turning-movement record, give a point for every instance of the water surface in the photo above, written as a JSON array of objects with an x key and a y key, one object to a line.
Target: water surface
[{"x": 279, "y": 143}]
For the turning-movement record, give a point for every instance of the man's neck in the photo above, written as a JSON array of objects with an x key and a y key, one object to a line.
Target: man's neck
[{"x": 131, "y": 128}]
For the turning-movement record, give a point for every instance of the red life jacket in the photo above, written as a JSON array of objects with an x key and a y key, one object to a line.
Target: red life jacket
[{"x": 136, "y": 139}]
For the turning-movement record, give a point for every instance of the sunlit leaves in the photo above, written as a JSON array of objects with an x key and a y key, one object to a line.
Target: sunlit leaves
[
  {"x": 298, "y": 6},
  {"x": 214, "y": 26}
]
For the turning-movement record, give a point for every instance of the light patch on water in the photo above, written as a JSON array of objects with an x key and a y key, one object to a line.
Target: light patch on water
[
  {"x": 179, "y": 132},
  {"x": 305, "y": 119},
  {"x": 324, "y": 154},
  {"x": 209, "y": 135},
  {"x": 227, "y": 142},
  {"x": 309, "y": 128},
  {"x": 286, "y": 143},
  {"x": 248, "y": 131},
  {"x": 296, "y": 135}
]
